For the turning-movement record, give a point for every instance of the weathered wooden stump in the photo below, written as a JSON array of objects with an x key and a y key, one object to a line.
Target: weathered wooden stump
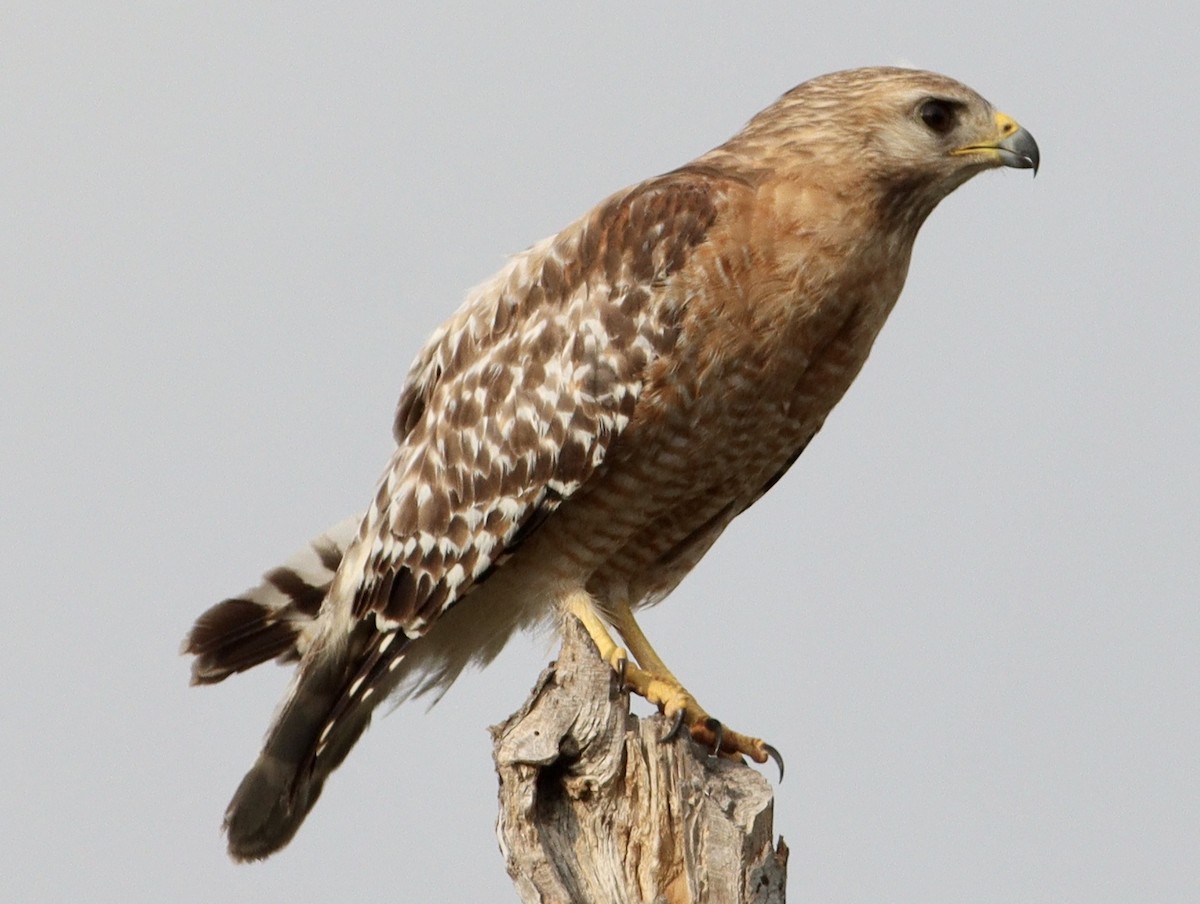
[{"x": 595, "y": 808}]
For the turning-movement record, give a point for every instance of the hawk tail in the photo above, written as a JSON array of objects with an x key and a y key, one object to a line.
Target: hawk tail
[
  {"x": 324, "y": 714},
  {"x": 329, "y": 705},
  {"x": 275, "y": 619},
  {"x": 328, "y": 708},
  {"x": 286, "y": 779}
]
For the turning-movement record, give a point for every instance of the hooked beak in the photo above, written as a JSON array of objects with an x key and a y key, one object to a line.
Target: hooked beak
[{"x": 1013, "y": 146}]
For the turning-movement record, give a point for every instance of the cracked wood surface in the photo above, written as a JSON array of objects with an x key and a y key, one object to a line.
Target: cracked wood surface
[{"x": 595, "y": 808}]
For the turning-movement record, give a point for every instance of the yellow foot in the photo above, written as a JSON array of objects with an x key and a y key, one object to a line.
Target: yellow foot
[
  {"x": 681, "y": 707},
  {"x": 652, "y": 680}
]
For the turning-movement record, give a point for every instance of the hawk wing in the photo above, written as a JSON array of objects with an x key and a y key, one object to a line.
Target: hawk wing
[
  {"x": 509, "y": 410},
  {"x": 518, "y": 399}
]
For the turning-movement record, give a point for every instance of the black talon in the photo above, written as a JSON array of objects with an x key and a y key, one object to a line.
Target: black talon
[
  {"x": 676, "y": 724},
  {"x": 774, "y": 754},
  {"x": 621, "y": 674},
  {"x": 715, "y": 726}
]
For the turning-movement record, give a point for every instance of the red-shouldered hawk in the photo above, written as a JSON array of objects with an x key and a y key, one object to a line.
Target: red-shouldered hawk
[{"x": 586, "y": 425}]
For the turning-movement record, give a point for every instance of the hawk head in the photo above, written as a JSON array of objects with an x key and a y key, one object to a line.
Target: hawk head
[{"x": 903, "y": 138}]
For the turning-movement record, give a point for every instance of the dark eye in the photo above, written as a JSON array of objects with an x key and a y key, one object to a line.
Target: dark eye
[{"x": 940, "y": 115}]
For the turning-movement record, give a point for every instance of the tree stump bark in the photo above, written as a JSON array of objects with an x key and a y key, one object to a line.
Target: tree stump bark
[{"x": 595, "y": 808}]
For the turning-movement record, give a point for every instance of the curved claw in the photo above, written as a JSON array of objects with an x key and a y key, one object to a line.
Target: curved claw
[
  {"x": 621, "y": 666},
  {"x": 718, "y": 730},
  {"x": 676, "y": 724},
  {"x": 774, "y": 754}
]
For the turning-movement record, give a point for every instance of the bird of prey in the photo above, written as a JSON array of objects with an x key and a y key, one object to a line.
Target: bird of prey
[{"x": 579, "y": 433}]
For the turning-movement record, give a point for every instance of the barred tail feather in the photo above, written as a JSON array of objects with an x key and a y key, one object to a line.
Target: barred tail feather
[
  {"x": 340, "y": 681},
  {"x": 275, "y": 619}
]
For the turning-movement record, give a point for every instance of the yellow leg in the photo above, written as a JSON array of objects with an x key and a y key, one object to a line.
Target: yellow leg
[
  {"x": 581, "y": 607},
  {"x": 656, "y": 683},
  {"x": 645, "y": 654}
]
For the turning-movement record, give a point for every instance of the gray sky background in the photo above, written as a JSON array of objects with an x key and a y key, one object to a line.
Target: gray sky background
[{"x": 968, "y": 617}]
